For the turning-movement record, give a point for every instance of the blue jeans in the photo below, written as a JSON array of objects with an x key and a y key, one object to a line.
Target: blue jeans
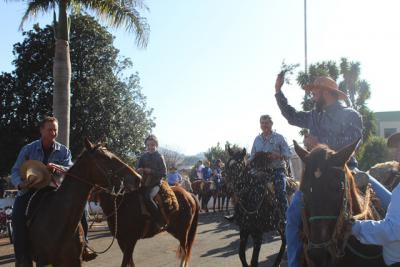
[
  {"x": 20, "y": 230},
  {"x": 294, "y": 224},
  {"x": 280, "y": 188}
]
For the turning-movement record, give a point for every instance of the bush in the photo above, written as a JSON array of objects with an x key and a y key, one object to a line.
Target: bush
[{"x": 373, "y": 151}]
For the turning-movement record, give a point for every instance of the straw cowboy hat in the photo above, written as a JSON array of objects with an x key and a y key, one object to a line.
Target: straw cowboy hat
[
  {"x": 394, "y": 140},
  {"x": 36, "y": 172},
  {"x": 325, "y": 83}
]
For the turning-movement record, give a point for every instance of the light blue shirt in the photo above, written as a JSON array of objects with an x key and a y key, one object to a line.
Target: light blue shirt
[
  {"x": 173, "y": 178},
  {"x": 273, "y": 143},
  {"x": 385, "y": 232},
  {"x": 60, "y": 155}
]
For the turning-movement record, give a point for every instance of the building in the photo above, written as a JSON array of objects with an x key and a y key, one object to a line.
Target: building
[{"x": 388, "y": 123}]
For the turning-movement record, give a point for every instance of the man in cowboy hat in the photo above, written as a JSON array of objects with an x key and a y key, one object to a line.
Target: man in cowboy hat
[
  {"x": 35, "y": 161},
  {"x": 328, "y": 123}
]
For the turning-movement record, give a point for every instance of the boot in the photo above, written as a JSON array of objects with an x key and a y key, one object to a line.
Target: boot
[{"x": 87, "y": 254}]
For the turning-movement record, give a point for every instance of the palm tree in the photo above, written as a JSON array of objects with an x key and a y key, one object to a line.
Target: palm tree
[{"x": 116, "y": 13}]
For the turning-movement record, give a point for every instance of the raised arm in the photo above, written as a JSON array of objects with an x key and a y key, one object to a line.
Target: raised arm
[{"x": 294, "y": 117}]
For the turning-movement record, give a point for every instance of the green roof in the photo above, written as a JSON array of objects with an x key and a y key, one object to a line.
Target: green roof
[{"x": 388, "y": 116}]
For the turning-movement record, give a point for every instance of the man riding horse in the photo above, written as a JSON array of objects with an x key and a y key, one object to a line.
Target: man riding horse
[
  {"x": 329, "y": 123},
  {"x": 278, "y": 150},
  {"x": 53, "y": 155}
]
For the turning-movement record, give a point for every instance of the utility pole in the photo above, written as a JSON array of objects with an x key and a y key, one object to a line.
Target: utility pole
[{"x": 305, "y": 37}]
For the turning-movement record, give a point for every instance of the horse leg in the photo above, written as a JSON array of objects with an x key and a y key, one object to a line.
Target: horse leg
[
  {"x": 215, "y": 200},
  {"x": 257, "y": 241},
  {"x": 127, "y": 248},
  {"x": 244, "y": 235},
  {"x": 281, "y": 250}
]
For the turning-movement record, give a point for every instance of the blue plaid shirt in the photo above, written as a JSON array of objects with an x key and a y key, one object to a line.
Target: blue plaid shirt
[
  {"x": 60, "y": 155},
  {"x": 337, "y": 126}
]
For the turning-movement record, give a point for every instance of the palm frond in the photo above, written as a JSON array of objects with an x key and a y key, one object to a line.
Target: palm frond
[
  {"x": 117, "y": 13},
  {"x": 34, "y": 7}
]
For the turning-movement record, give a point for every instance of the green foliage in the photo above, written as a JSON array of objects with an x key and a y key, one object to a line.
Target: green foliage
[
  {"x": 115, "y": 13},
  {"x": 217, "y": 152},
  {"x": 348, "y": 77},
  {"x": 106, "y": 105},
  {"x": 373, "y": 151}
]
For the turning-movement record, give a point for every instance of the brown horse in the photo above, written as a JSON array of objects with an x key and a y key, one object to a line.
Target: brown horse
[
  {"x": 54, "y": 236},
  {"x": 132, "y": 225},
  {"x": 330, "y": 198}
]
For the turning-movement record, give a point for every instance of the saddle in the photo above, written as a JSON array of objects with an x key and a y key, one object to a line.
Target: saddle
[
  {"x": 165, "y": 200},
  {"x": 34, "y": 202}
]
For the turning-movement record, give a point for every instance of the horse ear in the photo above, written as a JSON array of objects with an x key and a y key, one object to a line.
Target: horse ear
[
  {"x": 88, "y": 144},
  {"x": 228, "y": 148},
  {"x": 340, "y": 158},
  {"x": 244, "y": 152},
  {"x": 300, "y": 151}
]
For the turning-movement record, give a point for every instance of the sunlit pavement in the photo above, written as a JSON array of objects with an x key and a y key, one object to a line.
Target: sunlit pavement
[{"x": 216, "y": 244}]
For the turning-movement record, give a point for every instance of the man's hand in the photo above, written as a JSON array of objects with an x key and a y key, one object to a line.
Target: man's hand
[
  {"x": 310, "y": 141},
  {"x": 279, "y": 82}
]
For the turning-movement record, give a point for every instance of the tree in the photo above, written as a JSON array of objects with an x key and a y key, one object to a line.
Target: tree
[
  {"x": 372, "y": 152},
  {"x": 115, "y": 13},
  {"x": 217, "y": 152},
  {"x": 348, "y": 78},
  {"x": 172, "y": 158},
  {"x": 106, "y": 104}
]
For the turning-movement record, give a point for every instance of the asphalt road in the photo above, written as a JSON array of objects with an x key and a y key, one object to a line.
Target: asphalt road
[{"x": 216, "y": 244}]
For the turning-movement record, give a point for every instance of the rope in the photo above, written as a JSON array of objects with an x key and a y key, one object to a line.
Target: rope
[{"x": 114, "y": 236}]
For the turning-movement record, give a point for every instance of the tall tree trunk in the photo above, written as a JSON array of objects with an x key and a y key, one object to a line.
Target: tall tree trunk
[{"x": 62, "y": 76}]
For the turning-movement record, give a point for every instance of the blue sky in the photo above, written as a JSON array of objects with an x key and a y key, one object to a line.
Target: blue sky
[{"x": 210, "y": 66}]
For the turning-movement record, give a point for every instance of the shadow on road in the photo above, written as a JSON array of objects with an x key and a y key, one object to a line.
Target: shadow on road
[{"x": 7, "y": 259}]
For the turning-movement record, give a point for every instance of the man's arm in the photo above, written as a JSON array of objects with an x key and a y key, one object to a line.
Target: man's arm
[
  {"x": 285, "y": 150},
  {"x": 253, "y": 150},
  {"x": 352, "y": 130},
  {"x": 294, "y": 117},
  {"x": 15, "y": 174}
]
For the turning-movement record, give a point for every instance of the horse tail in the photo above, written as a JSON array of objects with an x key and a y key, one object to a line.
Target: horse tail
[{"x": 193, "y": 229}]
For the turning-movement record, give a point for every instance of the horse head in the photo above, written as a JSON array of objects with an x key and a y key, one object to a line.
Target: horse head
[
  {"x": 261, "y": 161},
  {"x": 235, "y": 164},
  {"x": 327, "y": 201},
  {"x": 106, "y": 170}
]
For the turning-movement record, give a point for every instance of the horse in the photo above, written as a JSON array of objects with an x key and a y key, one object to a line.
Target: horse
[
  {"x": 387, "y": 173},
  {"x": 257, "y": 210},
  {"x": 133, "y": 225},
  {"x": 186, "y": 184},
  {"x": 53, "y": 232},
  {"x": 331, "y": 198},
  {"x": 197, "y": 188}
]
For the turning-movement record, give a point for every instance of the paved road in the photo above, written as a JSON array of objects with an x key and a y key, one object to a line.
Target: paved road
[{"x": 216, "y": 244}]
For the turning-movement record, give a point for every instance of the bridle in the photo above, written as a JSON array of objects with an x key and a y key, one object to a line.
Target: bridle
[{"x": 344, "y": 215}]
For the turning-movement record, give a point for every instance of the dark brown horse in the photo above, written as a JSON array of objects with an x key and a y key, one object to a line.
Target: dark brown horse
[
  {"x": 132, "y": 225},
  {"x": 330, "y": 198},
  {"x": 257, "y": 209},
  {"x": 53, "y": 231}
]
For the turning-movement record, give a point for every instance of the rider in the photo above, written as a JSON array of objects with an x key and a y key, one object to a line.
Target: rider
[
  {"x": 386, "y": 232},
  {"x": 152, "y": 166},
  {"x": 394, "y": 142},
  {"x": 206, "y": 171},
  {"x": 328, "y": 123},
  {"x": 173, "y": 176},
  {"x": 53, "y": 155},
  {"x": 217, "y": 175},
  {"x": 274, "y": 143}
]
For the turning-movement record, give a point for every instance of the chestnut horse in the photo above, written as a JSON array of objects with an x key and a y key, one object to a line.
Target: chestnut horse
[
  {"x": 54, "y": 235},
  {"x": 132, "y": 225},
  {"x": 330, "y": 198}
]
